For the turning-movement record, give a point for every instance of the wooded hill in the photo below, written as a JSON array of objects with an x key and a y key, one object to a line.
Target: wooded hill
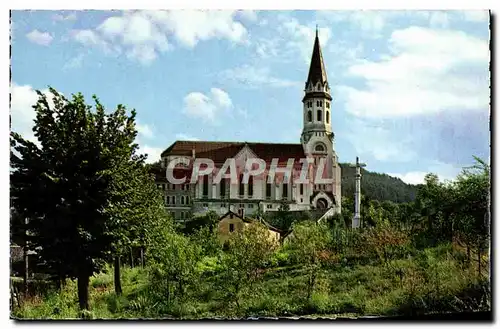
[{"x": 377, "y": 186}]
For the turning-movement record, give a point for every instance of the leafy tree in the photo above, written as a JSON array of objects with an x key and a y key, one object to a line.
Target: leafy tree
[
  {"x": 309, "y": 243},
  {"x": 473, "y": 194},
  {"x": 175, "y": 259},
  {"x": 209, "y": 220},
  {"x": 64, "y": 186},
  {"x": 246, "y": 253}
]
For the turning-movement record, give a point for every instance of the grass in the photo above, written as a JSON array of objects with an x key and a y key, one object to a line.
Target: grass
[{"x": 434, "y": 280}]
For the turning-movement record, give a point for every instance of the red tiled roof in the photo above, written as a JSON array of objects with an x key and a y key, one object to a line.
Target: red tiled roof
[{"x": 220, "y": 151}]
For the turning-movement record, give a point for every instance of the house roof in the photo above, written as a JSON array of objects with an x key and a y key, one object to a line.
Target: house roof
[
  {"x": 220, "y": 151},
  {"x": 250, "y": 220}
]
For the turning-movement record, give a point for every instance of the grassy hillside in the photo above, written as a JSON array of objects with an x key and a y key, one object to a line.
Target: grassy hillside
[{"x": 377, "y": 186}]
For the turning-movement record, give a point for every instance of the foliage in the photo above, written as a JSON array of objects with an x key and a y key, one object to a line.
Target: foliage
[
  {"x": 309, "y": 244},
  {"x": 247, "y": 253},
  {"x": 67, "y": 183},
  {"x": 377, "y": 186}
]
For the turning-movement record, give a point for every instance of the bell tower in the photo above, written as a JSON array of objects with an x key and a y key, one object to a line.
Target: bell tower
[{"x": 317, "y": 136}]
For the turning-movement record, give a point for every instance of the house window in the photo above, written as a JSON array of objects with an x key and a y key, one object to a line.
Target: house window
[
  {"x": 301, "y": 189},
  {"x": 268, "y": 190},
  {"x": 223, "y": 205},
  {"x": 318, "y": 114},
  {"x": 231, "y": 227},
  {"x": 182, "y": 214},
  {"x": 285, "y": 191},
  {"x": 205, "y": 205},
  {"x": 320, "y": 103},
  {"x": 242, "y": 187},
  {"x": 317, "y": 103},
  {"x": 250, "y": 186},
  {"x": 250, "y": 205},
  {"x": 187, "y": 199},
  {"x": 182, "y": 199},
  {"x": 168, "y": 199},
  {"x": 269, "y": 206},
  {"x": 242, "y": 205},
  {"x": 327, "y": 105},
  {"x": 327, "y": 116},
  {"x": 223, "y": 187},
  {"x": 205, "y": 186},
  {"x": 173, "y": 199},
  {"x": 309, "y": 116}
]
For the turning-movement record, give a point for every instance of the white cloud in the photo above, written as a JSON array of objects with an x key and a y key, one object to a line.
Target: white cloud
[
  {"x": 439, "y": 19},
  {"x": 21, "y": 109},
  {"x": 412, "y": 177},
  {"x": 153, "y": 153},
  {"x": 185, "y": 137},
  {"x": 253, "y": 77},
  {"x": 142, "y": 35},
  {"x": 248, "y": 15},
  {"x": 62, "y": 17},
  {"x": 199, "y": 105},
  {"x": 476, "y": 15},
  {"x": 370, "y": 139},
  {"x": 221, "y": 98},
  {"x": 301, "y": 37},
  {"x": 445, "y": 172},
  {"x": 427, "y": 71},
  {"x": 40, "y": 38},
  {"x": 144, "y": 130},
  {"x": 75, "y": 62}
]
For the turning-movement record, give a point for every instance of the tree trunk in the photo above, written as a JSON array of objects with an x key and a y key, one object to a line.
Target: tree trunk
[
  {"x": 83, "y": 291},
  {"x": 26, "y": 263},
  {"x": 118, "y": 283},
  {"x": 142, "y": 257},
  {"x": 479, "y": 261},
  {"x": 131, "y": 258},
  {"x": 468, "y": 254}
]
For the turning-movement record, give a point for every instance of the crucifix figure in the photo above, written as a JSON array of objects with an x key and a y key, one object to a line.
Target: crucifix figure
[{"x": 356, "y": 220}]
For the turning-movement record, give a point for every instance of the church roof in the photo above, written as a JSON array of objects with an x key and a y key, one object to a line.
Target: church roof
[
  {"x": 317, "y": 71},
  {"x": 220, "y": 151}
]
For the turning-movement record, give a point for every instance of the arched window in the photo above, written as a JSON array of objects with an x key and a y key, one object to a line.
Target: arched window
[
  {"x": 319, "y": 148},
  {"x": 320, "y": 117},
  {"x": 327, "y": 116},
  {"x": 182, "y": 199},
  {"x": 317, "y": 103},
  {"x": 242, "y": 187},
  {"x": 309, "y": 116},
  {"x": 250, "y": 186}
]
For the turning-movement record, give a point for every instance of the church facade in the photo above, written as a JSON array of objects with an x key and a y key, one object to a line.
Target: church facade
[{"x": 261, "y": 193}]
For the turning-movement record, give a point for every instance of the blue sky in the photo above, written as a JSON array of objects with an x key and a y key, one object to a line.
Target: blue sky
[{"x": 410, "y": 88}]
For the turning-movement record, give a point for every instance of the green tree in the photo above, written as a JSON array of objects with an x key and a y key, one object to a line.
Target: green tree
[
  {"x": 309, "y": 243},
  {"x": 64, "y": 186},
  {"x": 473, "y": 216},
  {"x": 246, "y": 253}
]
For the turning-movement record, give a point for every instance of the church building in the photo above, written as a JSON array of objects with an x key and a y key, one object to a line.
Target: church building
[{"x": 258, "y": 194}]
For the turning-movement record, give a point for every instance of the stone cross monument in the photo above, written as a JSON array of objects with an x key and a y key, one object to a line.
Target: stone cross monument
[{"x": 357, "y": 195}]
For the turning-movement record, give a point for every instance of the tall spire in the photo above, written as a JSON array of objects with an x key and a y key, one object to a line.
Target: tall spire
[{"x": 317, "y": 71}]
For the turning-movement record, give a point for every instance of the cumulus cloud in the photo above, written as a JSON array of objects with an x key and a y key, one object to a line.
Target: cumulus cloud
[
  {"x": 445, "y": 172},
  {"x": 142, "y": 35},
  {"x": 153, "y": 153},
  {"x": 300, "y": 38},
  {"x": 40, "y": 38},
  {"x": 199, "y": 105},
  {"x": 144, "y": 130},
  {"x": 255, "y": 77},
  {"x": 427, "y": 71},
  {"x": 22, "y": 114}
]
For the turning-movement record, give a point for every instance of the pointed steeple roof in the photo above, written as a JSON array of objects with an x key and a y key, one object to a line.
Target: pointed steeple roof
[{"x": 317, "y": 71}]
